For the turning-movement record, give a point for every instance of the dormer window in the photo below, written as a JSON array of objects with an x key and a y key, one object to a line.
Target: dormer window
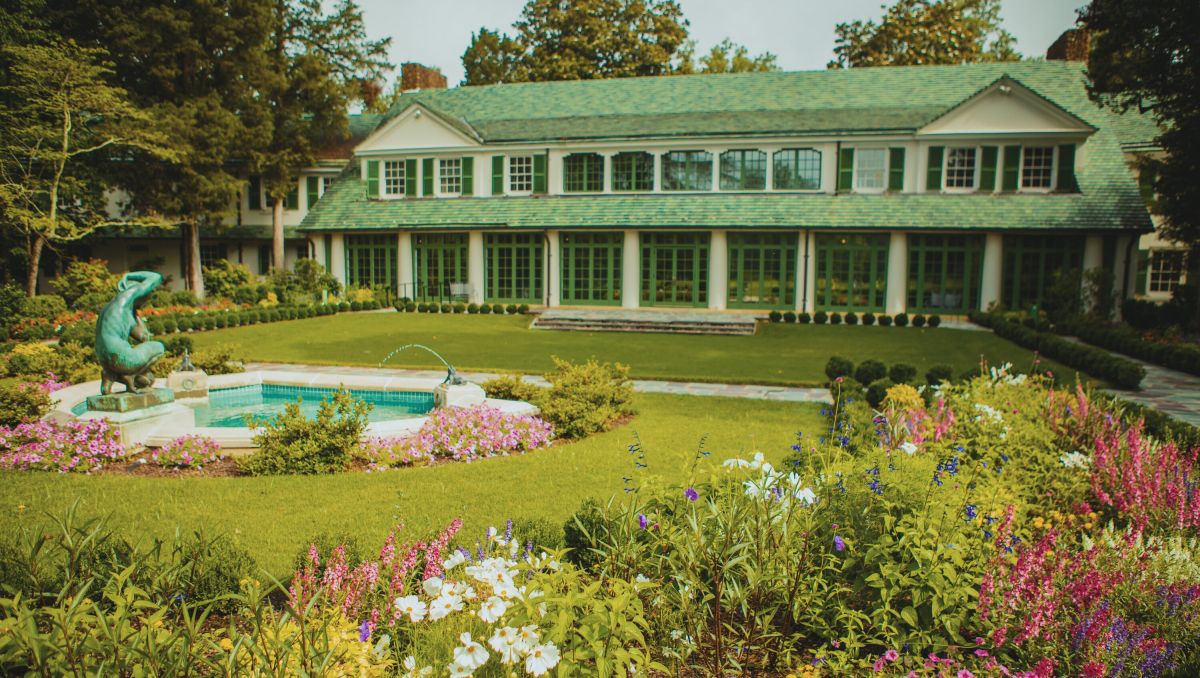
[
  {"x": 870, "y": 169},
  {"x": 393, "y": 177},
  {"x": 450, "y": 175},
  {"x": 1037, "y": 167},
  {"x": 520, "y": 174},
  {"x": 960, "y": 168}
]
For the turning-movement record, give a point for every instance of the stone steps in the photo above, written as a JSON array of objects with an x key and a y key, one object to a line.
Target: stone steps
[{"x": 727, "y": 324}]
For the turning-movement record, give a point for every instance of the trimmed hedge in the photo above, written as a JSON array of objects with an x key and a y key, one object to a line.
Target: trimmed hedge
[
  {"x": 1124, "y": 339},
  {"x": 1096, "y": 362}
]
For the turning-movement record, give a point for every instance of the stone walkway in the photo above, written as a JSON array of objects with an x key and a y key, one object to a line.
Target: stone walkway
[
  {"x": 750, "y": 391},
  {"x": 1175, "y": 393}
]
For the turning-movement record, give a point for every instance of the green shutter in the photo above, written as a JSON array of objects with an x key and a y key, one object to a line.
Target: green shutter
[
  {"x": 468, "y": 176},
  {"x": 845, "y": 170},
  {"x": 1066, "y": 169},
  {"x": 410, "y": 178},
  {"x": 427, "y": 177},
  {"x": 1012, "y": 168},
  {"x": 255, "y": 194},
  {"x": 933, "y": 172},
  {"x": 497, "y": 175},
  {"x": 539, "y": 173},
  {"x": 987, "y": 169},
  {"x": 372, "y": 178},
  {"x": 1143, "y": 270},
  {"x": 896, "y": 169},
  {"x": 313, "y": 191},
  {"x": 292, "y": 199}
]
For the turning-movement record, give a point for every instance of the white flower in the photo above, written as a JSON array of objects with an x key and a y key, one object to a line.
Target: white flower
[
  {"x": 806, "y": 496},
  {"x": 541, "y": 659},
  {"x": 411, "y": 670},
  {"x": 528, "y": 637},
  {"x": 459, "y": 671},
  {"x": 493, "y": 609},
  {"x": 641, "y": 579},
  {"x": 471, "y": 655},
  {"x": 444, "y": 605},
  {"x": 1075, "y": 460},
  {"x": 412, "y": 607},
  {"x": 909, "y": 448},
  {"x": 735, "y": 463},
  {"x": 456, "y": 558},
  {"x": 507, "y": 643},
  {"x": 432, "y": 586}
]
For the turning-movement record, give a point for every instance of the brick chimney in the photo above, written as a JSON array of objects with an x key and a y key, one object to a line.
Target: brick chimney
[
  {"x": 1072, "y": 45},
  {"x": 414, "y": 76}
]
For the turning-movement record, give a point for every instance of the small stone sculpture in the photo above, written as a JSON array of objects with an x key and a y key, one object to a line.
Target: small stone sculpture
[{"x": 118, "y": 324}]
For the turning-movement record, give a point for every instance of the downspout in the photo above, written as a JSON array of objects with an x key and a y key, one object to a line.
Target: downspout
[
  {"x": 546, "y": 266},
  {"x": 804, "y": 281}
]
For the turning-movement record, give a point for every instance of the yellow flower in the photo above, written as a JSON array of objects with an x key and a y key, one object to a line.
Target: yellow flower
[
  {"x": 1038, "y": 522},
  {"x": 20, "y": 507},
  {"x": 226, "y": 644}
]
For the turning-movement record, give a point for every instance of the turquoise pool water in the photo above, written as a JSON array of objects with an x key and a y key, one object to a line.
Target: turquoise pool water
[{"x": 229, "y": 407}]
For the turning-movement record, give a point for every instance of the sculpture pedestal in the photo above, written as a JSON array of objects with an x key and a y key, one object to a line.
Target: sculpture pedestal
[
  {"x": 190, "y": 384},
  {"x": 137, "y": 416},
  {"x": 461, "y": 395}
]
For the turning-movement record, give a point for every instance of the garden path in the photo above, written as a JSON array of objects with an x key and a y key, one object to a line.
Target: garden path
[
  {"x": 1169, "y": 391},
  {"x": 750, "y": 391}
]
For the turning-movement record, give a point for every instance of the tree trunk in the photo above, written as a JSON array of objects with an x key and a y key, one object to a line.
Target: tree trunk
[
  {"x": 277, "y": 257},
  {"x": 36, "y": 243},
  {"x": 193, "y": 275}
]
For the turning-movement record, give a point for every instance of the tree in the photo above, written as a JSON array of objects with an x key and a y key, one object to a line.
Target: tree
[
  {"x": 319, "y": 62},
  {"x": 62, "y": 110},
  {"x": 580, "y": 40},
  {"x": 1143, "y": 56},
  {"x": 923, "y": 32},
  {"x": 724, "y": 57}
]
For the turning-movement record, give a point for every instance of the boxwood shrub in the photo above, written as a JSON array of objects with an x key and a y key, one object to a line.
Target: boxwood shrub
[
  {"x": 838, "y": 367},
  {"x": 935, "y": 320},
  {"x": 460, "y": 308},
  {"x": 511, "y": 309},
  {"x": 885, "y": 321},
  {"x": 789, "y": 316},
  {"x": 939, "y": 373},
  {"x": 1182, "y": 356},
  {"x": 472, "y": 308},
  {"x": 820, "y": 317},
  {"x": 498, "y": 309},
  {"x": 868, "y": 318},
  {"x": 523, "y": 309},
  {"x": 901, "y": 320},
  {"x": 851, "y": 318},
  {"x": 485, "y": 309},
  {"x": 869, "y": 371},
  {"x": 918, "y": 320},
  {"x": 775, "y": 316},
  {"x": 447, "y": 308}
]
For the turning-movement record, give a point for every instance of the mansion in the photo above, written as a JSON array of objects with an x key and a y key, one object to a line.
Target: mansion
[{"x": 926, "y": 189}]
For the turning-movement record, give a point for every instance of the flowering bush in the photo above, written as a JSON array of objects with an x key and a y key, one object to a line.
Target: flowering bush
[
  {"x": 82, "y": 445},
  {"x": 190, "y": 451},
  {"x": 461, "y": 434},
  {"x": 23, "y": 402}
]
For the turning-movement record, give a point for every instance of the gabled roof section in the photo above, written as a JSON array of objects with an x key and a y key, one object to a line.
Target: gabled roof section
[
  {"x": 1007, "y": 106},
  {"x": 358, "y": 126},
  {"x": 419, "y": 126}
]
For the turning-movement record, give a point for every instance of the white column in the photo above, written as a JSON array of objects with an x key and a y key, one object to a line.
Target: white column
[
  {"x": 337, "y": 257},
  {"x": 1093, "y": 258},
  {"x": 799, "y": 274},
  {"x": 475, "y": 266},
  {"x": 318, "y": 252},
  {"x": 718, "y": 269},
  {"x": 631, "y": 272},
  {"x": 657, "y": 172},
  {"x": 554, "y": 275},
  {"x": 404, "y": 264},
  {"x": 993, "y": 271},
  {"x": 897, "y": 275},
  {"x": 810, "y": 283}
]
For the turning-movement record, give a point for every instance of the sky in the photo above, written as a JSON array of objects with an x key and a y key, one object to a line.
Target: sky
[{"x": 799, "y": 32}]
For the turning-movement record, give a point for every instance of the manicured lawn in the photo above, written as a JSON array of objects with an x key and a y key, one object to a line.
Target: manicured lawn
[
  {"x": 274, "y": 517},
  {"x": 778, "y": 354}
]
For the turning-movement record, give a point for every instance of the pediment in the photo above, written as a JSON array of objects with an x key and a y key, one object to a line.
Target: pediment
[
  {"x": 1007, "y": 107},
  {"x": 417, "y": 127}
]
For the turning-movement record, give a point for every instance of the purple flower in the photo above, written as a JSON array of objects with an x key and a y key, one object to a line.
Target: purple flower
[
  {"x": 364, "y": 631},
  {"x": 691, "y": 494},
  {"x": 838, "y": 543},
  {"x": 642, "y": 522}
]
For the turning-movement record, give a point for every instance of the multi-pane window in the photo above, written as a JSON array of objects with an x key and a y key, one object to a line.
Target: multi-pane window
[
  {"x": 393, "y": 177},
  {"x": 210, "y": 254},
  {"x": 870, "y": 169},
  {"x": 326, "y": 182},
  {"x": 633, "y": 172},
  {"x": 450, "y": 174},
  {"x": 1037, "y": 165},
  {"x": 520, "y": 173},
  {"x": 797, "y": 169},
  {"x": 687, "y": 171},
  {"x": 1166, "y": 269},
  {"x": 743, "y": 170},
  {"x": 960, "y": 167},
  {"x": 583, "y": 173}
]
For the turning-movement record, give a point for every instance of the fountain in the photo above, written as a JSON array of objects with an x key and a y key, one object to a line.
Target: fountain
[{"x": 454, "y": 391}]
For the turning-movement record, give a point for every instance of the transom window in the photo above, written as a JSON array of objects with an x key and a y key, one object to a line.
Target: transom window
[
  {"x": 393, "y": 177},
  {"x": 743, "y": 170},
  {"x": 687, "y": 171},
  {"x": 797, "y": 169},
  {"x": 450, "y": 173},
  {"x": 520, "y": 173},
  {"x": 960, "y": 167},
  {"x": 633, "y": 172},
  {"x": 1166, "y": 269},
  {"x": 870, "y": 169},
  {"x": 1037, "y": 166},
  {"x": 583, "y": 173}
]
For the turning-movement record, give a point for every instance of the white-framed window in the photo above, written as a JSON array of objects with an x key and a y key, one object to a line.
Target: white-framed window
[
  {"x": 326, "y": 182},
  {"x": 450, "y": 176},
  {"x": 870, "y": 169},
  {"x": 960, "y": 168},
  {"x": 1166, "y": 270},
  {"x": 393, "y": 177},
  {"x": 1037, "y": 167},
  {"x": 520, "y": 173}
]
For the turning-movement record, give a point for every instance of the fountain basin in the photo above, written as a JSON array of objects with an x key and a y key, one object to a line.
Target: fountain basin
[{"x": 401, "y": 403}]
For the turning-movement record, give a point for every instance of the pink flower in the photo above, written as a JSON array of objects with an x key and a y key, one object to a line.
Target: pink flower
[{"x": 891, "y": 655}]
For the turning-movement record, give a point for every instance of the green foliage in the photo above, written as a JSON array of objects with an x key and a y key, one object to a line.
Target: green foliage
[
  {"x": 774, "y": 316},
  {"x": 69, "y": 361},
  {"x": 1063, "y": 297},
  {"x": 885, "y": 321},
  {"x": 542, "y": 533},
  {"x": 924, "y": 32},
  {"x": 312, "y": 279},
  {"x": 938, "y": 374},
  {"x": 723, "y": 57},
  {"x": 868, "y": 318},
  {"x": 876, "y": 392},
  {"x": 789, "y": 316},
  {"x": 1177, "y": 355},
  {"x": 820, "y": 317},
  {"x": 184, "y": 298},
  {"x": 82, "y": 333},
  {"x": 12, "y": 303},
  {"x": 839, "y": 367},
  {"x": 918, "y": 320},
  {"x": 901, "y": 373},
  {"x": 835, "y": 318},
  {"x": 22, "y": 402},
  {"x": 512, "y": 387},
  {"x": 511, "y": 309},
  {"x": 294, "y": 444},
  {"x": 901, "y": 320},
  {"x": 869, "y": 371},
  {"x": 851, "y": 318},
  {"x": 224, "y": 277},
  {"x": 47, "y": 306},
  {"x": 81, "y": 278},
  {"x": 586, "y": 398}
]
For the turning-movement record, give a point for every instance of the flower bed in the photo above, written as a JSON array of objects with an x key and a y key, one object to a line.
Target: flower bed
[
  {"x": 85, "y": 445},
  {"x": 459, "y": 435}
]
